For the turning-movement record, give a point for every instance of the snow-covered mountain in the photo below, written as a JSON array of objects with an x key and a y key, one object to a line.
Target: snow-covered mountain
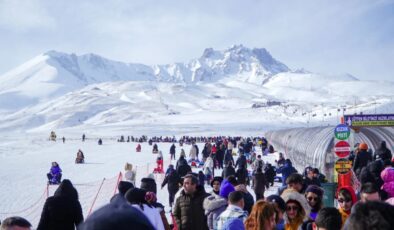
[
  {"x": 221, "y": 88},
  {"x": 53, "y": 73}
]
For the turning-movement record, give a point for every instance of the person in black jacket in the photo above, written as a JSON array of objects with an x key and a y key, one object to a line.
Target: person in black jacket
[
  {"x": 270, "y": 174},
  {"x": 183, "y": 167},
  {"x": 241, "y": 161},
  {"x": 383, "y": 152},
  {"x": 242, "y": 176},
  {"x": 229, "y": 170},
  {"x": 62, "y": 211},
  {"x": 173, "y": 180},
  {"x": 362, "y": 159},
  {"x": 172, "y": 151},
  {"x": 228, "y": 157},
  {"x": 259, "y": 183}
]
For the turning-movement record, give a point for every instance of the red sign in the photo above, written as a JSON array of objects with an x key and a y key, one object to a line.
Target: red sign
[{"x": 342, "y": 149}]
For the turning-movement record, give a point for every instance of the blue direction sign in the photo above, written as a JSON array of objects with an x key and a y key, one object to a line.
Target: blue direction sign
[
  {"x": 369, "y": 120},
  {"x": 342, "y": 132}
]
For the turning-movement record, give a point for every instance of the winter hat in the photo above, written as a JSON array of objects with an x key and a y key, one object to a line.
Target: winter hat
[
  {"x": 351, "y": 191},
  {"x": 136, "y": 196},
  {"x": 277, "y": 200},
  {"x": 387, "y": 176},
  {"x": 148, "y": 184},
  {"x": 363, "y": 146},
  {"x": 120, "y": 216},
  {"x": 226, "y": 188},
  {"x": 150, "y": 197},
  {"x": 216, "y": 178},
  {"x": 123, "y": 186},
  {"x": 315, "y": 189},
  {"x": 293, "y": 195}
]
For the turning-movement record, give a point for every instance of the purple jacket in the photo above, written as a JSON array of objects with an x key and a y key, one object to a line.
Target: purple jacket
[{"x": 55, "y": 170}]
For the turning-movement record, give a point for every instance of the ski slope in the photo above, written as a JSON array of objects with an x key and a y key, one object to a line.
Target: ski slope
[{"x": 25, "y": 160}]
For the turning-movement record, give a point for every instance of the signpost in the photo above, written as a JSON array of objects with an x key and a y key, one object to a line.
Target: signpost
[
  {"x": 343, "y": 166},
  {"x": 342, "y": 132},
  {"x": 342, "y": 149}
]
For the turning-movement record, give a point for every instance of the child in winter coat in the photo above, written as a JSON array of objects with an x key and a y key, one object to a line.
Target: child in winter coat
[{"x": 55, "y": 174}]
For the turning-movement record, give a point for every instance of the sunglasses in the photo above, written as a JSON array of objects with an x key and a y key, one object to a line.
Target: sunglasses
[
  {"x": 340, "y": 200},
  {"x": 291, "y": 207},
  {"x": 310, "y": 198}
]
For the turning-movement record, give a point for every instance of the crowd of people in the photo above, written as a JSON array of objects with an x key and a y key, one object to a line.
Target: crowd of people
[{"x": 228, "y": 204}]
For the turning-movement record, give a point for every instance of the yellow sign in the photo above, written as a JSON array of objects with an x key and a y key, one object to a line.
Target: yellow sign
[{"x": 343, "y": 166}]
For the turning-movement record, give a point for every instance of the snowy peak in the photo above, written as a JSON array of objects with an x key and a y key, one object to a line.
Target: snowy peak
[{"x": 239, "y": 60}]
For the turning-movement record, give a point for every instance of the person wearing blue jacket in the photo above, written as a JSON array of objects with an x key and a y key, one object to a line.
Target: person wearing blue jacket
[{"x": 286, "y": 170}]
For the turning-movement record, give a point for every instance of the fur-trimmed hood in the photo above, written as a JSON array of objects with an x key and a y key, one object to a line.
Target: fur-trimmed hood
[
  {"x": 214, "y": 202},
  {"x": 291, "y": 194}
]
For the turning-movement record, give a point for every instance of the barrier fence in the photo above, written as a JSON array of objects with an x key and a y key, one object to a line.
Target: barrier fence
[{"x": 92, "y": 195}]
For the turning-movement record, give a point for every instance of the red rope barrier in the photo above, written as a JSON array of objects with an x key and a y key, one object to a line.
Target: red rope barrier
[
  {"x": 117, "y": 183},
  {"x": 95, "y": 198},
  {"x": 23, "y": 210}
]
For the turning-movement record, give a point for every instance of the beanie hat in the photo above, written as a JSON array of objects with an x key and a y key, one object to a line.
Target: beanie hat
[
  {"x": 148, "y": 184},
  {"x": 277, "y": 200},
  {"x": 363, "y": 146},
  {"x": 123, "y": 186},
  {"x": 226, "y": 188},
  {"x": 120, "y": 216},
  {"x": 216, "y": 178},
  {"x": 136, "y": 196},
  {"x": 150, "y": 197},
  {"x": 315, "y": 189},
  {"x": 387, "y": 176}
]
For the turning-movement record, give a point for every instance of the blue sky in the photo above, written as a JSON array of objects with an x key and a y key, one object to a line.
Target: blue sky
[{"x": 331, "y": 37}]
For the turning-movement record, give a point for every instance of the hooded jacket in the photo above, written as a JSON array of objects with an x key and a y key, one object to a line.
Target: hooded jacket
[
  {"x": 343, "y": 213},
  {"x": 61, "y": 211},
  {"x": 388, "y": 181},
  {"x": 293, "y": 195},
  {"x": 214, "y": 205},
  {"x": 383, "y": 152}
]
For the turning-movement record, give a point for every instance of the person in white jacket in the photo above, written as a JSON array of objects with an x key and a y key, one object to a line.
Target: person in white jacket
[
  {"x": 129, "y": 174},
  {"x": 136, "y": 198},
  {"x": 208, "y": 168}
]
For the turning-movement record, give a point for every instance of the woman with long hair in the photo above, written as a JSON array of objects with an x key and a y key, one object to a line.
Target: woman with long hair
[
  {"x": 262, "y": 217},
  {"x": 62, "y": 210}
]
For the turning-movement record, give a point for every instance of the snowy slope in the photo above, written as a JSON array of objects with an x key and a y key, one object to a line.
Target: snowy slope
[{"x": 26, "y": 160}]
